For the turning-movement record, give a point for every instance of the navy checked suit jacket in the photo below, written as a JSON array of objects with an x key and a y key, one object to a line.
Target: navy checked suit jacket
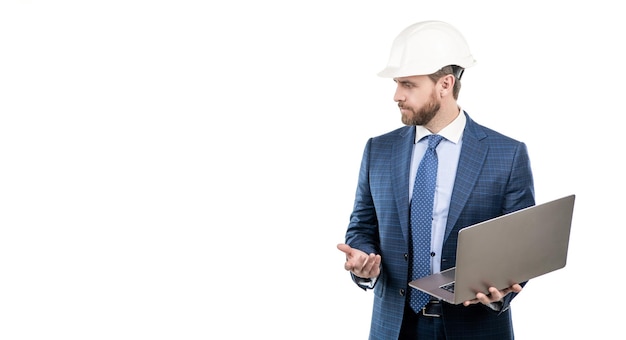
[{"x": 493, "y": 177}]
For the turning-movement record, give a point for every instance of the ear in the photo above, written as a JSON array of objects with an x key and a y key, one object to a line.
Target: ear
[{"x": 446, "y": 84}]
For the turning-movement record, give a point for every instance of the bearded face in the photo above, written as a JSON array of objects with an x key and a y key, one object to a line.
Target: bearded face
[{"x": 423, "y": 115}]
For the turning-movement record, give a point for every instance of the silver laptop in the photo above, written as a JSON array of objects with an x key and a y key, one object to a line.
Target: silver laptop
[{"x": 509, "y": 249}]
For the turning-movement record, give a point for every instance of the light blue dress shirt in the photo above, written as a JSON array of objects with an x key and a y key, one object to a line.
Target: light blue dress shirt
[{"x": 448, "y": 152}]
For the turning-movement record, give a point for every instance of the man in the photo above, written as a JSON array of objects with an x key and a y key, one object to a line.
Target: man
[{"x": 480, "y": 174}]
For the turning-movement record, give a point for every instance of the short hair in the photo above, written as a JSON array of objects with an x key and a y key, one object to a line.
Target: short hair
[{"x": 456, "y": 71}]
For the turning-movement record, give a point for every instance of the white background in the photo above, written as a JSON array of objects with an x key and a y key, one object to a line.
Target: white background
[{"x": 185, "y": 169}]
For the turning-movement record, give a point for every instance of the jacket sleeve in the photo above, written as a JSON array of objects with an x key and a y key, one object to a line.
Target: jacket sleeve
[
  {"x": 520, "y": 194},
  {"x": 362, "y": 232}
]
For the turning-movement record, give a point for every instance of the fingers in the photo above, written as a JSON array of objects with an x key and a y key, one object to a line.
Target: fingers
[
  {"x": 360, "y": 263},
  {"x": 351, "y": 262},
  {"x": 366, "y": 265},
  {"x": 478, "y": 298},
  {"x": 494, "y": 295},
  {"x": 481, "y": 298},
  {"x": 371, "y": 264},
  {"x": 344, "y": 248},
  {"x": 484, "y": 298}
]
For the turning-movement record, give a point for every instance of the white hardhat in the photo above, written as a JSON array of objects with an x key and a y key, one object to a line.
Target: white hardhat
[{"x": 424, "y": 48}]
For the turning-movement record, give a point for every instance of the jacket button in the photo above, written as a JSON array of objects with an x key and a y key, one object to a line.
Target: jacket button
[
  {"x": 406, "y": 257},
  {"x": 402, "y": 291}
]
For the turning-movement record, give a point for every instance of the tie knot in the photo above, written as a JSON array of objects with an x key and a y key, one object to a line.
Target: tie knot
[{"x": 433, "y": 141}]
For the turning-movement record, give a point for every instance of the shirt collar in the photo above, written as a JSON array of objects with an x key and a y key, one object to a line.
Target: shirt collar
[{"x": 452, "y": 132}]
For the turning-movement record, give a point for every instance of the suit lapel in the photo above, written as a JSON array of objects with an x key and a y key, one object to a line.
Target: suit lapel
[
  {"x": 471, "y": 161},
  {"x": 401, "y": 159}
]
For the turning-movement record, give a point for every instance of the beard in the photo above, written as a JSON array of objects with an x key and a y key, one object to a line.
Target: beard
[{"x": 424, "y": 115}]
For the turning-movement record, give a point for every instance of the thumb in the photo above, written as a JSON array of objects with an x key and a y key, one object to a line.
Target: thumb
[{"x": 344, "y": 248}]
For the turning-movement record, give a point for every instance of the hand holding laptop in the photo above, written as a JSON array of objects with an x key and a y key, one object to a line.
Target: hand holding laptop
[
  {"x": 503, "y": 251},
  {"x": 494, "y": 295}
]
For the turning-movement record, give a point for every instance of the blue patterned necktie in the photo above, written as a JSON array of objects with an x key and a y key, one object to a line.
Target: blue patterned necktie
[{"x": 422, "y": 220}]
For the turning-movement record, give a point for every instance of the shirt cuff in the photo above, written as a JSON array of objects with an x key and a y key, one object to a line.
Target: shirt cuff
[
  {"x": 366, "y": 283},
  {"x": 496, "y": 306}
]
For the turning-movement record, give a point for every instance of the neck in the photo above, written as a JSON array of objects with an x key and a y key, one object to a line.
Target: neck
[{"x": 446, "y": 115}]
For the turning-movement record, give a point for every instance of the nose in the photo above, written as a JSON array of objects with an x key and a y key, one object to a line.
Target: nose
[{"x": 398, "y": 96}]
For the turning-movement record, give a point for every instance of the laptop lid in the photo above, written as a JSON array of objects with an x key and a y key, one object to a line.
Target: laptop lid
[{"x": 508, "y": 249}]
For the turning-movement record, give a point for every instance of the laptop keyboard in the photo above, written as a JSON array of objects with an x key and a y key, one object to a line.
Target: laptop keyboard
[{"x": 449, "y": 287}]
